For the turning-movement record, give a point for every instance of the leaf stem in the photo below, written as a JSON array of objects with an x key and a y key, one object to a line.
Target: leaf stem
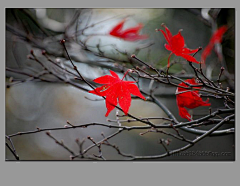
[{"x": 126, "y": 73}]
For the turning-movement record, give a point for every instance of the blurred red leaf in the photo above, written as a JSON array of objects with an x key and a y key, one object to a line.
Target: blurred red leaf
[
  {"x": 216, "y": 38},
  {"x": 189, "y": 99},
  {"x": 131, "y": 34},
  {"x": 116, "y": 91},
  {"x": 176, "y": 45}
]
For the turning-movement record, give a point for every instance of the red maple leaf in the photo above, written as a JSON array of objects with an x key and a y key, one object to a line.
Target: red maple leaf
[
  {"x": 131, "y": 34},
  {"x": 176, "y": 45},
  {"x": 189, "y": 99},
  {"x": 116, "y": 91},
  {"x": 216, "y": 38}
]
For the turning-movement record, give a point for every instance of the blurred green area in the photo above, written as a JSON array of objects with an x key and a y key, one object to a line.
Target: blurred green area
[{"x": 30, "y": 105}]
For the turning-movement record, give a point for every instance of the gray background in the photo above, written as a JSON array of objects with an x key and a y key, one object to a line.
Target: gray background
[{"x": 38, "y": 173}]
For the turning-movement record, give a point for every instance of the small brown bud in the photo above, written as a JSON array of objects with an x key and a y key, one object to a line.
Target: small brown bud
[
  {"x": 43, "y": 52},
  {"x": 10, "y": 79},
  {"x": 62, "y": 41}
]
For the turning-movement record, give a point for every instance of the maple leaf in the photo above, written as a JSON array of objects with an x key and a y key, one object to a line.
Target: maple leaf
[
  {"x": 176, "y": 45},
  {"x": 131, "y": 34},
  {"x": 216, "y": 38},
  {"x": 116, "y": 91},
  {"x": 189, "y": 99}
]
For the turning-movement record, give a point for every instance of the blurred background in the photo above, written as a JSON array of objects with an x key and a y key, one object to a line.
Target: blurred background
[{"x": 40, "y": 104}]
